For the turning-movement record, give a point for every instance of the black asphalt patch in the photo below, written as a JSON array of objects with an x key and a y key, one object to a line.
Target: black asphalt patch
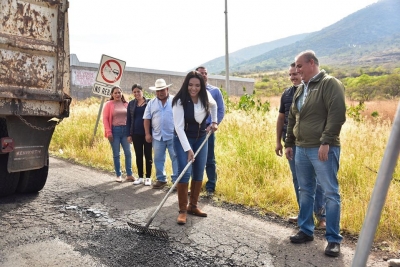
[{"x": 126, "y": 247}]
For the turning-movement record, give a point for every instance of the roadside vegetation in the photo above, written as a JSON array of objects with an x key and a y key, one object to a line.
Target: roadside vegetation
[
  {"x": 362, "y": 84},
  {"x": 249, "y": 172}
]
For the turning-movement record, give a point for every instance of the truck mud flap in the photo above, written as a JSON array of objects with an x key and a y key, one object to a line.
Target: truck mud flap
[{"x": 32, "y": 135}]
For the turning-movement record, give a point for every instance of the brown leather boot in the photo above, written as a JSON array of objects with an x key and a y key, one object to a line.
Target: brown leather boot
[
  {"x": 182, "y": 202},
  {"x": 195, "y": 188}
]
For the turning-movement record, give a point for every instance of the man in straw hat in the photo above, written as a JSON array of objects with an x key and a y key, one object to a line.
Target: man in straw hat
[{"x": 159, "y": 129}]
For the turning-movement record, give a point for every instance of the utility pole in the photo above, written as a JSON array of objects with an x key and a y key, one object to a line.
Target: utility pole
[
  {"x": 379, "y": 194},
  {"x": 226, "y": 50}
]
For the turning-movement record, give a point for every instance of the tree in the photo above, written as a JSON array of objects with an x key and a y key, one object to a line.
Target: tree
[
  {"x": 392, "y": 86},
  {"x": 362, "y": 88}
]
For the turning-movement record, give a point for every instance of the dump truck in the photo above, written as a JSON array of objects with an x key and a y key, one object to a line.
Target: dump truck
[{"x": 34, "y": 89}]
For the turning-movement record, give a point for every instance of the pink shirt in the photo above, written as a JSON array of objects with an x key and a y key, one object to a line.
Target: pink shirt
[
  {"x": 119, "y": 114},
  {"x": 108, "y": 116}
]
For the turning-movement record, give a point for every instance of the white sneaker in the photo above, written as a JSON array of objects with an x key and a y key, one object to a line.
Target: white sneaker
[
  {"x": 147, "y": 181},
  {"x": 138, "y": 181},
  {"x": 118, "y": 179}
]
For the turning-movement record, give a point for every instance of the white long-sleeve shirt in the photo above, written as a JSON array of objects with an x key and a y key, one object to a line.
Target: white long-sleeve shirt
[{"x": 199, "y": 115}]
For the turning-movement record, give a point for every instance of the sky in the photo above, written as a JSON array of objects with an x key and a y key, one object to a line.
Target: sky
[{"x": 178, "y": 35}]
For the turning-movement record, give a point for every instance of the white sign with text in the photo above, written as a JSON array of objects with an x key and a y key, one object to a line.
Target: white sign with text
[{"x": 102, "y": 89}]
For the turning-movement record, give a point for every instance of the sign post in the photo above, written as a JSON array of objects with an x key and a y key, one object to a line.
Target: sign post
[
  {"x": 108, "y": 75},
  {"x": 97, "y": 120}
]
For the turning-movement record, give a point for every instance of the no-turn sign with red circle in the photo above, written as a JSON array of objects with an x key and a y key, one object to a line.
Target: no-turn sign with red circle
[{"x": 110, "y": 70}]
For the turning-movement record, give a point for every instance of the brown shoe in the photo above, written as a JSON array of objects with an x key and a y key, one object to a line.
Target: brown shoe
[
  {"x": 181, "y": 220},
  {"x": 194, "y": 197},
  {"x": 321, "y": 225},
  {"x": 130, "y": 179},
  {"x": 182, "y": 202},
  {"x": 293, "y": 219},
  {"x": 159, "y": 185}
]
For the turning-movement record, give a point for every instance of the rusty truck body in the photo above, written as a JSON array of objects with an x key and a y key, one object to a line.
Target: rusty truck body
[{"x": 34, "y": 88}]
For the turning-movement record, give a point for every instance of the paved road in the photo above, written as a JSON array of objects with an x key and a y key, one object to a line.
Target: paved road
[{"x": 79, "y": 219}]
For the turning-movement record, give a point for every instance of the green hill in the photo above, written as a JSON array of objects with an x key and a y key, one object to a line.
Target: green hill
[
  {"x": 217, "y": 65},
  {"x": 366, "y": 38}
]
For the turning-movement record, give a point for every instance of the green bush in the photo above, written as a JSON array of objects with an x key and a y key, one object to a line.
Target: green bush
[{"x": 354, "y": 112}]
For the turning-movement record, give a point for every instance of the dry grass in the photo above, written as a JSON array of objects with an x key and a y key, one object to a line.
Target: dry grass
[{"x": 385, "y": 108}]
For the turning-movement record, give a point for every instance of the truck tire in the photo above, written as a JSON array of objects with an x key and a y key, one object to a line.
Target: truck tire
[
  {"x": 8, "y": 181},
  {"x": 34, "y": 180}
]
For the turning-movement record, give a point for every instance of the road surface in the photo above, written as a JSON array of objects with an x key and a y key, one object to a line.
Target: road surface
[{"x": 80, "y": 219}]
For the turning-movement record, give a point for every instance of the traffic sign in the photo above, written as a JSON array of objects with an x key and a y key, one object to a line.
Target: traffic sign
[
  {"x": 110, "y": 70},
  {"x": 102, "y": 89}
]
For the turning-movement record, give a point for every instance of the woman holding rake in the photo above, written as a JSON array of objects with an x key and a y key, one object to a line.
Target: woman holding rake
[{"x": 191, "y": 107}]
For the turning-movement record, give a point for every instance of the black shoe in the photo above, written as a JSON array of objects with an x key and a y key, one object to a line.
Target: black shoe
[
  {"x": 332, "y": 249},
  {"x": 301, "y": 237},
  {"x": 210, "y": 193}
]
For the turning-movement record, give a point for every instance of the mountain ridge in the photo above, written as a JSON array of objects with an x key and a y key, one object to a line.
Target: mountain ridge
[
  {"x": 217, "y": 65},
  {"x": 370, "y": 36}
]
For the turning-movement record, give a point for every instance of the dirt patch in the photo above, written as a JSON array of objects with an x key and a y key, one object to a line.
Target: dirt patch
[{"x": 386, "y": 109}]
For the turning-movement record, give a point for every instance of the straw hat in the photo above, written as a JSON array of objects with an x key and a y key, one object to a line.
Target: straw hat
[{"x": 159, "y": 85}]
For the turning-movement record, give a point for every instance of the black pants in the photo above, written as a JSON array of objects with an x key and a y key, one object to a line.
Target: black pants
[{"x": 140, "y": 145}]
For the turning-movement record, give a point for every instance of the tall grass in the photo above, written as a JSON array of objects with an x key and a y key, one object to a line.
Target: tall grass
[
  {"x": 250, "y": 173},
  {"x": 74, "y": 138}
]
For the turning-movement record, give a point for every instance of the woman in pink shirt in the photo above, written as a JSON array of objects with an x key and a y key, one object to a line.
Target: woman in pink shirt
[{"x": 115, "y": 129}]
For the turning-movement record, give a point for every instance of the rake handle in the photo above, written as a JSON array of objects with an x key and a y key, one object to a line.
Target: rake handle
[{"x": 177, "y": 181}]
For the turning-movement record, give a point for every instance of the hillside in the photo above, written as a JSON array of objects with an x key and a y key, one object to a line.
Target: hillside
[
  {"x": 368, "y": 37},
  {"x": 217, "y": 65}
]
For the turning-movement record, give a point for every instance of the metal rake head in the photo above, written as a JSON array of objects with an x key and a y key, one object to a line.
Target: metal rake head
[{"x": 148, "y": 231}]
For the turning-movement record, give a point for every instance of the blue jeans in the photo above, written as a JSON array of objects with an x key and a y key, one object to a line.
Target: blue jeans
[
  {"x": 319, "y": 202},
  {"x": 211, "y": 166},
  {"x": 120, "y": 138},
  {"x": 160, "y": 149},
  {"x": 197, "y": 167},
  {"x": 310, "y": 171}
]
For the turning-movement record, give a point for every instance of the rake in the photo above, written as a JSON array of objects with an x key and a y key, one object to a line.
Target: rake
[{"x": 159, "y": 232}]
